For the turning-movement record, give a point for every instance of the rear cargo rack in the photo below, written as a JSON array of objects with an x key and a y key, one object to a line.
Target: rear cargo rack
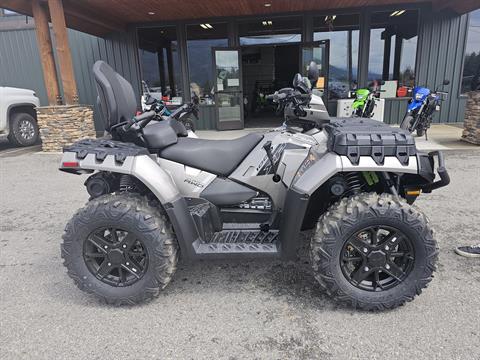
[{"x": 356, "y": 137}]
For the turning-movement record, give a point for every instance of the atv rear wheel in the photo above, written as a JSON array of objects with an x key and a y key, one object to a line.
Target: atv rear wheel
[
  {"x": 120, "y": 248},
  {"x": 373, "y": 252}
]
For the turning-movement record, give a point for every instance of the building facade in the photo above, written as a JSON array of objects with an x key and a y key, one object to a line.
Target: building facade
[{"x": 229, "y": 64}]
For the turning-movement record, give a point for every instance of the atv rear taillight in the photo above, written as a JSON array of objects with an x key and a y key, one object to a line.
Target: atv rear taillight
[{"x": 70, "y": 164}]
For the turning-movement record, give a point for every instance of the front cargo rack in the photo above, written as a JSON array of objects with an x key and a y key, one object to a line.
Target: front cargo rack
[{"x": 355, "y": 137}]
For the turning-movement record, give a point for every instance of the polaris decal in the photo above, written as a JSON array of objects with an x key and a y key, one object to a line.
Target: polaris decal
[{"x": 193, "y": 182}]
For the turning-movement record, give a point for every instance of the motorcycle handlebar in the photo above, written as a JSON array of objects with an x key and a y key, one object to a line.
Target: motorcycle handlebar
[
  {"x": 145, "y": 116},
  {"x": 283, "y": 96},
  {"x": 276, "y": 96}
]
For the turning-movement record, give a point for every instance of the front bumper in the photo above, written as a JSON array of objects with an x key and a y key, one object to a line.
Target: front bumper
[{"x": 441, "y": 171}]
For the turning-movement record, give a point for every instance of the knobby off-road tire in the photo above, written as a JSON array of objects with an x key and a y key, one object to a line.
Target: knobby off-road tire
[
  {"x": 23, "y": 130},
  {"x": 349, "y": 216},
  {"x": 131, "y": 213}
]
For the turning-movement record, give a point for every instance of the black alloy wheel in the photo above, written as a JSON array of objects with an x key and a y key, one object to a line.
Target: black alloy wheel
[
  {"x": 377, "y": 258},
  {"x": 115, "y": 256},
  {"x": 373, "y": 251}
]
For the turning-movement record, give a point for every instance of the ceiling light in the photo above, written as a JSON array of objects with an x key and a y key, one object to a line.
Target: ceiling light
[
  {"x": 208, "y": 26},
  {"x": 264, "y": 23},
  {"x": 270, "y": 23},
  {"x": 267, "y": 4},
  {"x": 151, "y": 13},
  {"x": 397, "y": 13}
]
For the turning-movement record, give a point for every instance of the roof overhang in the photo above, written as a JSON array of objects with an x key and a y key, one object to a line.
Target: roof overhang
[{"x": 100, "y": 17}]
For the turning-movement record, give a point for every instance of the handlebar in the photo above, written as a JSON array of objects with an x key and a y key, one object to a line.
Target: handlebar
[
  {"x": 145, "y": 116},
  {"x": 282, "y": 96},
  {"x": 276, "y": 97}
]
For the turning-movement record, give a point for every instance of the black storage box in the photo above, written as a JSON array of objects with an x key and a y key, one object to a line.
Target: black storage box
[{"x": 355, "y": 137}]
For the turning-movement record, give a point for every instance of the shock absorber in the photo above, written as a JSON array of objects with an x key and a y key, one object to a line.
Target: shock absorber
[
  {"x": 126, "y": 183},
  {"x": 354, "y": 182}
]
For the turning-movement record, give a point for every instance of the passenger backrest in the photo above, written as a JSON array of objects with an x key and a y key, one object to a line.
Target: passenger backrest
[{"x": 116, "y": 97}]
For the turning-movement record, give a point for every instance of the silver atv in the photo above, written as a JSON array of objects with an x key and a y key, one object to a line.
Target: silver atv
[{"x": 156, "y": 193}]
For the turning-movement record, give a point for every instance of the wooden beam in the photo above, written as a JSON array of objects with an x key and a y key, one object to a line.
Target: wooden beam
[
  {"x": 46, "y": 53},
  {"x": 67, "y": 74}
]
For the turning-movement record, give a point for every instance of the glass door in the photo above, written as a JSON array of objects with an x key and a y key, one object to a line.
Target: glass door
[
  {"x": 317, "y": 51},
  {"x": 228, "y": 88}
]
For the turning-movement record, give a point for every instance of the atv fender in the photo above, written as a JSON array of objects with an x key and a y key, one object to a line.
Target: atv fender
[
  {"x": 146, "y": 169},
  {"x": 298, "y": 196}
]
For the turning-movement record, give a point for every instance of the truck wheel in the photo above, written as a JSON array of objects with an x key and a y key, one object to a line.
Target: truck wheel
[
  {"x": 373, "y": 252},
  {"x": 120, "y": 248},
  {"x": 23, "y": 130}
]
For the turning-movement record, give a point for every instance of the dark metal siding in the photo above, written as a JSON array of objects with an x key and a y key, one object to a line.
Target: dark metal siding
[
  {"x": 119, "y": 50},
  {"x": 20, "y": 64},
  {"x": 441, "y": 50}
]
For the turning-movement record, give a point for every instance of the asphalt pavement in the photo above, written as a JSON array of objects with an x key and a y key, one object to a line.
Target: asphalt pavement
[{"x": 224, "y": 310}]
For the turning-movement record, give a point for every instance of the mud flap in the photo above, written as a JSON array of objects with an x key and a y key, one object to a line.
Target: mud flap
[{"x": 291, "y": 223}]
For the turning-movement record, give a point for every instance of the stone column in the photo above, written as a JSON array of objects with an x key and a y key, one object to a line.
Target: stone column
[
  {"x": 63, "y": 125},
  {"x": 471, "y": 124}
]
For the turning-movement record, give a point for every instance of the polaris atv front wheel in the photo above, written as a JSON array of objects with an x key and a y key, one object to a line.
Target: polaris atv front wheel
[
  {"x": 120, "y": 248},
  {"x": 373, "y": 252}
]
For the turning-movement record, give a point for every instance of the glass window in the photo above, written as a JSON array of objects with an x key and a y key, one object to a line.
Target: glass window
[
  {"x": 393, "y": 46},
  {"x": 471, "y": 67},
  {"x": 343, "y": 33},
  {"x": 270, "y": 31},
  {"x": 158, "y": 51},
  {"x": 201, "y": 38}
]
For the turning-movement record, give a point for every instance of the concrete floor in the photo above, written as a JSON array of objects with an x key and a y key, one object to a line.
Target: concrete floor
[{"x": 224, "y": 310}]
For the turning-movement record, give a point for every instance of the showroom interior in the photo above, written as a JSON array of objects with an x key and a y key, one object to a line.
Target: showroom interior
[{"x": 271, "y": 50}]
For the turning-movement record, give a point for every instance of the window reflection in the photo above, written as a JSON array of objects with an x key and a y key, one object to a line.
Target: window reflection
[
  {"x": 270, "y": 31},
  {"x": 393, "y": 46},
  {"x": 200, "y": 41},
  {"x": 160, "y": 63},
  {"x": 343, "y": 33},
  {"x": 471, "y": 67}
]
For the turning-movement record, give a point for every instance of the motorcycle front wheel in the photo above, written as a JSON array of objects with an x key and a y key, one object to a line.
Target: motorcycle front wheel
[{"x": 407, "y": 123}]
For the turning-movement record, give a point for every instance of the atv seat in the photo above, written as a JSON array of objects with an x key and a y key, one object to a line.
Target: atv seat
[{"x": 219, "y": 157}]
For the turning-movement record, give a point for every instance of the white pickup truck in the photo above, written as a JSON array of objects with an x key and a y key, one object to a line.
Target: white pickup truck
[{"x": 18, "y": 118}]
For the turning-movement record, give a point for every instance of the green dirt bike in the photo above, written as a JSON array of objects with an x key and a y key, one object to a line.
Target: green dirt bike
[{"x": 364, "y": 103}]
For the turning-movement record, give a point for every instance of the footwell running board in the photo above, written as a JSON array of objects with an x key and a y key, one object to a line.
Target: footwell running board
[{"x": 231, "y": 242}]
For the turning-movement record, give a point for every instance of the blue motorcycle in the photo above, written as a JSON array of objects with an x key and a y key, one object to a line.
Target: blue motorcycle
[{"x": 421, "y": 108}]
